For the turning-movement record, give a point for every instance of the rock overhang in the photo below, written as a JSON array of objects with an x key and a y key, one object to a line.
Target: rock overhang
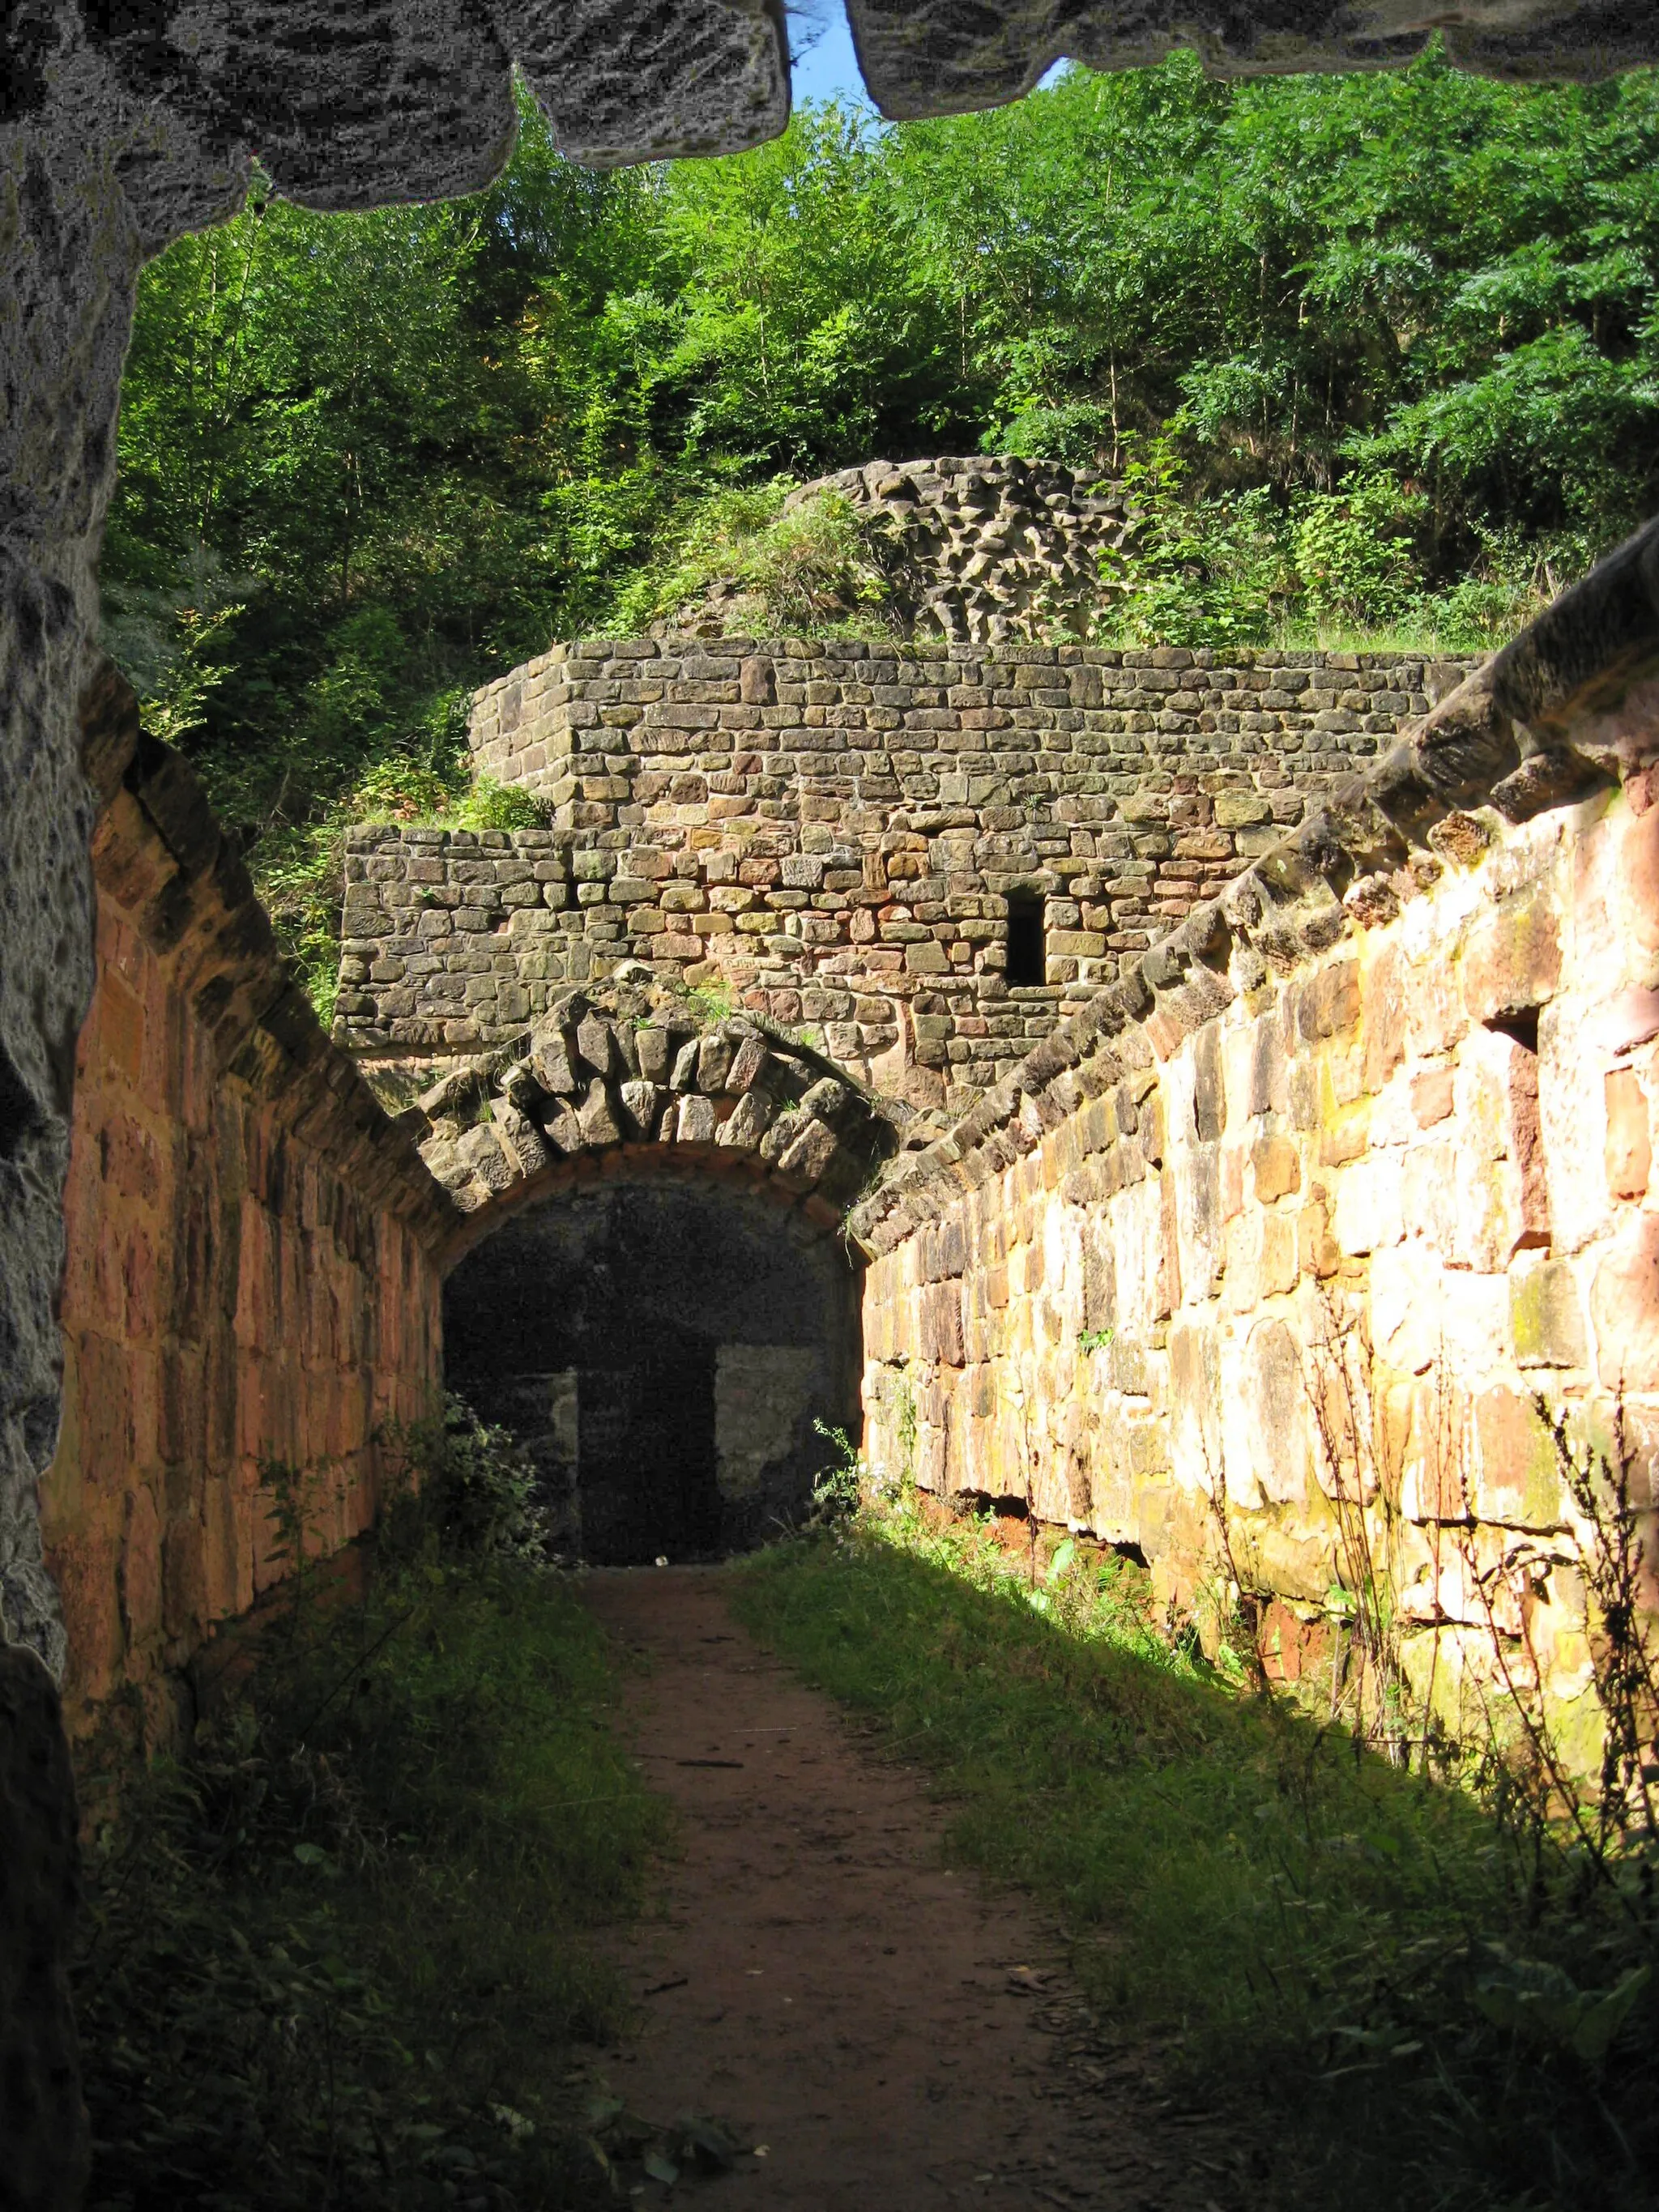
[{"x": 348, "y": 106}]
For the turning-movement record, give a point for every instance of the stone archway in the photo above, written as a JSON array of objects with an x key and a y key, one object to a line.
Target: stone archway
[{"x": 647, "y": 1282}]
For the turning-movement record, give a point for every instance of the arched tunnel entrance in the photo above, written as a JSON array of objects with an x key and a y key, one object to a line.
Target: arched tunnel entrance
[{"x": 664, "y": 1349}]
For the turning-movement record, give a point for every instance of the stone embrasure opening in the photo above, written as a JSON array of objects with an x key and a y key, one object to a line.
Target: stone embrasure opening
[
  {"x": 667, "y": 1351},
  {"x": 1027, "y": 956}
]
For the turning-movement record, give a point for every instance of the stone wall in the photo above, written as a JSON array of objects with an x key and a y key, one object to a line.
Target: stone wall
[
  {"x": 251, "y": 1272},
  {"x": 984, "y": 550},
  {"x": 121, "y": 133},
  {"x": 1262, "y": 1266},
  {"x": 833, "y": 831}
]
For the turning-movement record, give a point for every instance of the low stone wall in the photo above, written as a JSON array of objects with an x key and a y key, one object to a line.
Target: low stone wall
[
  {"x": 252, "y": 1273},
  {"x": 834, "y": 830},
  {"x": 1266, "y": 1275}
]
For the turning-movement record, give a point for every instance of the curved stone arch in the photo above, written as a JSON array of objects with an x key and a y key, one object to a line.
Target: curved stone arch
[
  {"x": 645, "y": 1278},
  {"x": 630, "y": 1080}
]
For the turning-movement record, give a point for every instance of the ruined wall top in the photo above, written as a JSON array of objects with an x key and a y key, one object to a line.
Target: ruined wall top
[
  {"x": 834, "y": 833},
  {"x": 986, "y": 548}
]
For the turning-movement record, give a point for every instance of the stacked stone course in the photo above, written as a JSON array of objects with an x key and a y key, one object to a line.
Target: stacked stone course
[
  {"x": 833, "y": 831},
  {"x": 1292, "y": 1250},
  {"x": 251, "y": 1271},
  {"x": 1232, "y": 1296}
]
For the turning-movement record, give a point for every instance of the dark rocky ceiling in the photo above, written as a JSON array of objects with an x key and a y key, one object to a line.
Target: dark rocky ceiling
[
  {"x": 349, "y": 102},
  {"x": 935, "y": 57}
]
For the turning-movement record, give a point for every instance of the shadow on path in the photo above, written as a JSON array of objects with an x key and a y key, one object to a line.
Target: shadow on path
[{"x": 897, "y": 2035}]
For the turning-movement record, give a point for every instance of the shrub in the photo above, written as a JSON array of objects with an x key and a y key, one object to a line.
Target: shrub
[
  {"x": 739, "y": 553},
  {"x": 334, "y": 1957}
]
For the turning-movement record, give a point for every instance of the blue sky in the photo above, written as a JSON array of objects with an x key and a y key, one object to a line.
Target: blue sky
[{"x": 831, "y": 69}]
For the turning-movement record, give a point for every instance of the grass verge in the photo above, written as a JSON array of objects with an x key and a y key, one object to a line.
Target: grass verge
[
  {"x": 338, "y": 1955},
  {"x": 1404, "y": 1999}
]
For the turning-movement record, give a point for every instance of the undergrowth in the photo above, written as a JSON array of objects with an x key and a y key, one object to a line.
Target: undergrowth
[
  {"x": 337, "y": 1954},
  {"x": 739, "y": 557},
  {"x": 1404, "y": 1997}
]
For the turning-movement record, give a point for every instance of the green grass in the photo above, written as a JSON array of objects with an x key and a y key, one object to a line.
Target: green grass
[
  {"x": 1334, "y": 1945},
  {"x": 341, "y": 1955}
]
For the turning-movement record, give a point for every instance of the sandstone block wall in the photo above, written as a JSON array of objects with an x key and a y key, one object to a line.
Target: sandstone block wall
[
  {"x": 250, "y": 1272},
  {"x": 833, "y": 831},
  {"x": 1281, "y": 1289}
]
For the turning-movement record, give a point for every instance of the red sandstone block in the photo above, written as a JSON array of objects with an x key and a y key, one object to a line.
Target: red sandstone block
[{"x": 1627, "y": 1151}]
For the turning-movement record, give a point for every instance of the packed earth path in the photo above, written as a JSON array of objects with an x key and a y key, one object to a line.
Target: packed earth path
[{"x": 883, "y": 2030}]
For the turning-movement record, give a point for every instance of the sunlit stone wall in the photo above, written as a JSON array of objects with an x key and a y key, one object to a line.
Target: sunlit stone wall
[{"x": 1307, "y": 1283}]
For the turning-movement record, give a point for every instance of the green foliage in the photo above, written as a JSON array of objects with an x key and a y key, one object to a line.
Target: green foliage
[
  {"x": 1404, "y": 2000},
  {"x": 468, "y": 1488},
  {"x": 1208, "y": 572},
  {"x": 336, "y": 1955},
  {"x": 839, "y": 1489},
  {"x": 806, "y": 571},
  {"x": 1354, "y": 560},
  {"x": 1381, "y": 352}
]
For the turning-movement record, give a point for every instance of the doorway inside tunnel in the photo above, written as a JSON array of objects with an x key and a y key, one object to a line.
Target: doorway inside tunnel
[{"x": 667, "y": 1352}]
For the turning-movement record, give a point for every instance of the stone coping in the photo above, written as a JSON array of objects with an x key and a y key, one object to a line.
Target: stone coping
[
  {"x": 1539, "y": 725},
  {"x": 936, "y": 652},
  {"x": 161, "y": 853}
]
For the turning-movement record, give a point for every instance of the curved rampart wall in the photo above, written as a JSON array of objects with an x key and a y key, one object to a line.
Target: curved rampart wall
[
  {"x": 1283, "y": 1257},
  {"x": 251, "y": 1272}
]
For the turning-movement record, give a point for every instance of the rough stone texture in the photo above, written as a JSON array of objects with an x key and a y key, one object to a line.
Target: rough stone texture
[
  {"x": 840, "y": 855},
  {"x": 945, "y": 55},
  {"x": 663, "y": 1346},
  {"x": 67, "y": 248},
  {"x": 631, "y": 1078},
  {"x": 251, "y": 1270},
  {"x": 121, "y": 127},
  {"x": 1312, "y": 1241},
  {"x": 44, "y": 2140},
  {"x": 980, "y": 550},
  {"x": 120, "y": 130}
]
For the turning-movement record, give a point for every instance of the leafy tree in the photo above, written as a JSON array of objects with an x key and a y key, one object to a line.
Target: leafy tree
[{"x": 1370, "y": 350}]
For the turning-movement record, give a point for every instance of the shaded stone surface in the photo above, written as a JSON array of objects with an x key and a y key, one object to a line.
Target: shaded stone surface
[
  {"x": 933, "y": 57},
  {"x": 43, "y": 2145},
  {"x": 979, "y": 548},
  {"x": 664, "y": 1347},
  {"x": 251, "y": 1269}
]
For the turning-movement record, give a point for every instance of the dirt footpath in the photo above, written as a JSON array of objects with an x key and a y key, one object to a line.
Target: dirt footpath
[{"x": 896, "y": 2035}]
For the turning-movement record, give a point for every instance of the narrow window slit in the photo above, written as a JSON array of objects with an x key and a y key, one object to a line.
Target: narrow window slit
[{"x": 1027, "y": 963}]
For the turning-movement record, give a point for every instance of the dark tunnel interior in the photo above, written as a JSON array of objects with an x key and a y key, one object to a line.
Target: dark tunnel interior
[{"x": 665, "y": 1351}]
